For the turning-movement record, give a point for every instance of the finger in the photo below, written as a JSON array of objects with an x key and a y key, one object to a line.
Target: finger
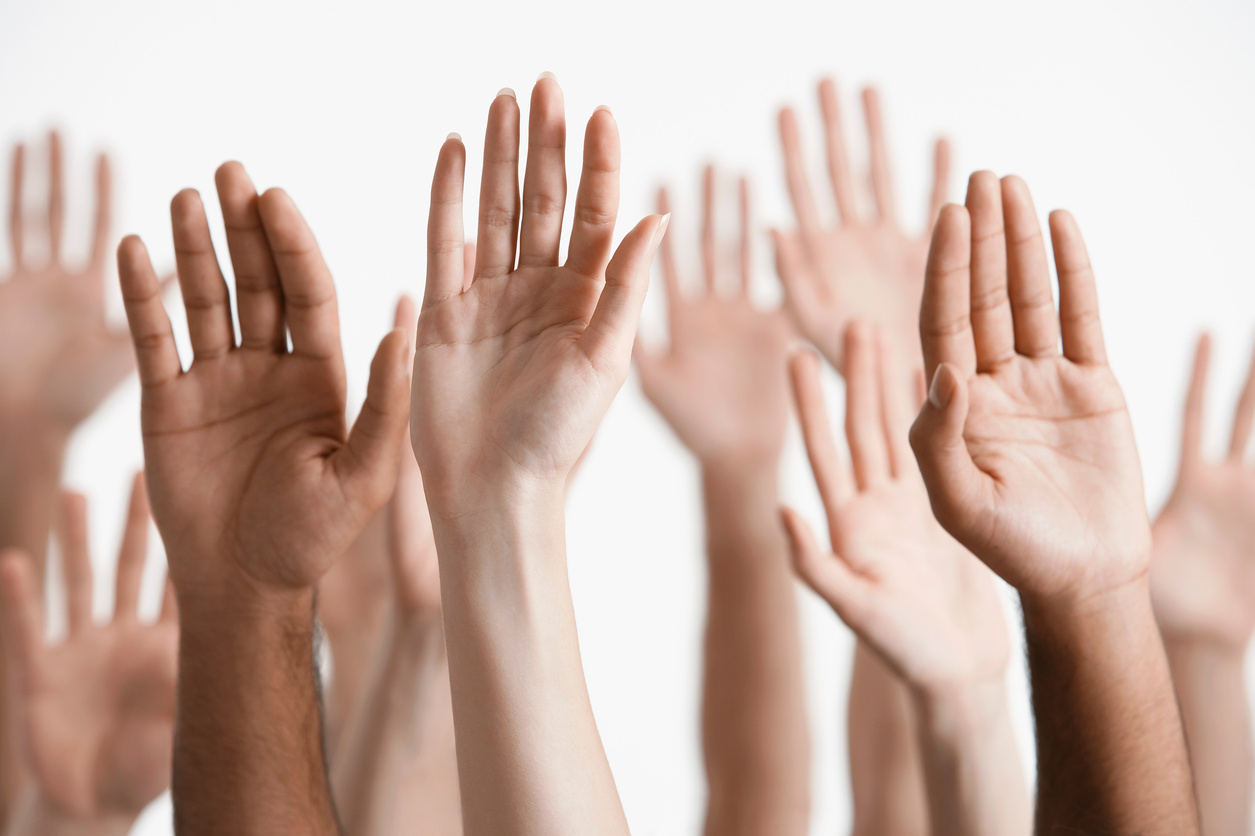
[
  {"x": 499, "y": 190},
  {"x": 204, "y": 290},
  {"x": 992, "y": 327},
  {"x": 134, "y": 551},
  {"x": 169, "y": 603},
  {"x": 827, "y": 574},
  {"x": 832, "y": 477},
  {"x": 1195, "y": 402},
  {"x": 611, "y": 331},
  {"x": 445, "y": 259},
  {"x": 670, "y": 273},
  {"x": 895, "y": 411},
  {"x": 17, "y": 233},
  {"x": 406, "y": 318},
  {"x": 838, "y": 159},
  {"x": 803, "y": 198},
  {"x": 366, "y": 466},
  {"x": 747, "y": 247},
  {"x": 1079, "y": 322},
  {"x": 1033, "y": 312},
  {"x": 155, "y": 352},
  {"x": 104, "y": 214},
  {"x": 544, "y": 184},
  {"x": 864, "y": 423},
  {"x": 941, "y": 181},
  {"x": 309, "y": 293},
  {"x": 23, "y": 611},
  {"x": 945, "y": 325},
  {"x": 710, "y": 255},
  {"x": 56, "y": 197},
  {"x": 597, "y": 200},
  {"x": 955, "y": 484},
  {"x": 258, "y": 293},
  {"x": 76, "y": 563},
  {"x": 1244, "y": 417},
  {"x": 878, "y": 154}
]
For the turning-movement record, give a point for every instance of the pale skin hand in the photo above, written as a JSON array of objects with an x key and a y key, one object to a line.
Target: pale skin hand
[
  {"x": 97, "y": 710},
  {"x": 859, "y": 264},
  {"x": 720, "y": 385},
  {"x": 1029, "y": 460},
  {"x": 511, "y": 377},
  {"x": 258, "y": 486},
  {"x": 909, "y": 589},
  {"x": 1202, "y": 581}
]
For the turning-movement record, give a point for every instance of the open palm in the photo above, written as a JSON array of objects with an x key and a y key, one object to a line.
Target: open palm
[
  {"x": 519, "y": 365},
  {"x": 97, "y": 710},
  {"x": 720, "y": 383},
  {"x": 868, "y": 268},
  {"x": 895, "y": 576},
  {"x": 1024, "y": 449},
  {"x": 253, "y": 472}
]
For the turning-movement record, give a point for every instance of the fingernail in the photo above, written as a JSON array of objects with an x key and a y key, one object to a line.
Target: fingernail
[
  {"x": 606, "y": 108},
  {"x": 546, "y": 74},
  {"x": 662, "y": 229},
  {"x": 454, "y": 135},
  {"x": 506, "y": 91},
  {"x": 942, "y": 390}
]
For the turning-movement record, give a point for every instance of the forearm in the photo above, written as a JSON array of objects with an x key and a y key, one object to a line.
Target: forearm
[
  {"x": 754, "y": 728},
  {"x": 384, "y": 733},
  {"x": 30, "y": 473},
  {"x": 972, "y": 769},
  {"x": 1211, "y": 688},
  {"x": 886, "y": 774},
  {"x": 33, "y": 815},
  {"x": 530, "y": 760},
  {"x": 1110, "y": 750},
  {"x": 248, "y": 740}
]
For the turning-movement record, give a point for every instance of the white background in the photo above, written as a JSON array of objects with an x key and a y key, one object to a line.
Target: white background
[{"x": 1138, "y": 116}]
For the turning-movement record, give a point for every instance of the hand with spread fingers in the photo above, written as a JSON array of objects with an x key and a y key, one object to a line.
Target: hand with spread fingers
[
  {"x": 908, "y": 589},
  {"x": 95, "y": 712},
  {"x": 1030, "y": 462},
  {"x": 512, "y": 374},
  {"x": 858, "y": 265},
  {"x": 1202, "y": 583},
  {"x": 258, "y": 486},
  {"x": 720, "y": 383}
]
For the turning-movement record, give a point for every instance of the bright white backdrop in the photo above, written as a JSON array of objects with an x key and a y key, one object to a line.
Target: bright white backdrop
[{"x": 1138, "y": 116}]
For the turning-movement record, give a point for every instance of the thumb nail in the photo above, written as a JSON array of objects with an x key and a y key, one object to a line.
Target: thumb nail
[
  {"x": 942, "y": 390},
  {"x": 661, "y": 230}
]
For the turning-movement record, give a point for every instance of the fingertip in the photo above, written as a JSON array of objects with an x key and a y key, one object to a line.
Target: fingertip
[
  {"x": 185, "y": 202},
  {"x": 945, "y": 384},
  {"x": 406, "y": 316}
]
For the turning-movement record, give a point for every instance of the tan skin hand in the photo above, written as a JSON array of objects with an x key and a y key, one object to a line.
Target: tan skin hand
[
  {"x": 720, "y": 383},
  {"x": 861, "y": 264},
  {"x": 255, "y": 476},
  {"x": 97, "y": 710},
  {"x": 58, "y": 357},
  {"x": 1203, "y": 564},
  {"x": 895, "y": 576},
  {"x": 1045, "y": 448}
]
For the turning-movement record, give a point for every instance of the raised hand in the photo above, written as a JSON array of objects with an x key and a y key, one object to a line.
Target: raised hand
[
  {"x": 720, "y": 383},
  {"x": 254, "y": 474},
  {"x": 514, "y": 370},
  {"x": 1025, "y": 449},
  {"x": 894, "y": 575},
  {"x": 58, "y": 357},
  {"x": 258, "y": 487},
  {"x": 512, "y": 373},
  {"x": 1202, "y": 576},
  {"x": 96, "y": 711},
  {"x": 1029, "y": 460},
  {"x": 859, "y": 265}
]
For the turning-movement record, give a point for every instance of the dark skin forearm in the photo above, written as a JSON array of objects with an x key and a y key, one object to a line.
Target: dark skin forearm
[
  {"x": 248, "y": 755},
  {"x": 1211, "y": 686},
  {"x": 754, "y": 730},
  {"x": 1111, "y": 753}
]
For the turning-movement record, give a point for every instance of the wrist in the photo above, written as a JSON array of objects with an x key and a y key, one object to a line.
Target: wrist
[
  {"x": 1096, "y": 622},
  {"x": 956, "y": 711}
]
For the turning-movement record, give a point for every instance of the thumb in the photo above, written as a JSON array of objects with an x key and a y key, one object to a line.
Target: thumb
[
  {"x": 367, "y": 465},
  {"x": 826, "y": 574},
  {"x": 612, "y": 328},
  {"x": 953, "y": 480}
]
